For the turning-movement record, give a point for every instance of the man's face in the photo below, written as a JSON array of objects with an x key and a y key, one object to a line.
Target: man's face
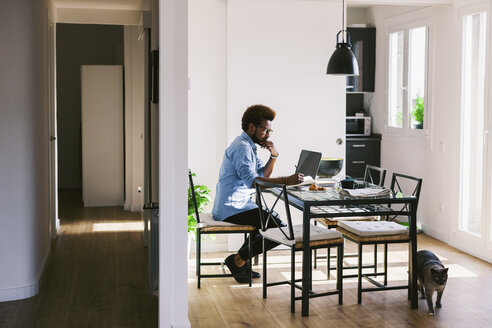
[{"x": 262, "y": 132}]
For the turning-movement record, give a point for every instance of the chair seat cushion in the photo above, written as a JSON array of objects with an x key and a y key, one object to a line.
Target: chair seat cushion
[
  {"x": 373, "y": 228},
  {"x": 207, "y": 222},
  {"x": 317, "y": 234},
  {"x": 355, "y": 218},
  {"x": 327, "y": 222},
  {"x": 333, "y": 222}
]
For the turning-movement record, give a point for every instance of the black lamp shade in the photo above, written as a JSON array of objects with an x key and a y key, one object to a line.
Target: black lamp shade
[{"x": 343, "y": 61}]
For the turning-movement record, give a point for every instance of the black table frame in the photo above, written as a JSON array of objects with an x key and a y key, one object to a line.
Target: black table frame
[{"x": 338, "y": 205}]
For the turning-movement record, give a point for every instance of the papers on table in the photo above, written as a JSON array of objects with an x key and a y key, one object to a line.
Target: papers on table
[
  {"x": 307, "y": 181},
  {"x": 365, "y": 192},
  {"x": 322, "y": 182}
]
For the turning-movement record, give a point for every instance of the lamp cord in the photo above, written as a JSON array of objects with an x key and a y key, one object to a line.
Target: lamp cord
[{"x": 343, "y": 20}]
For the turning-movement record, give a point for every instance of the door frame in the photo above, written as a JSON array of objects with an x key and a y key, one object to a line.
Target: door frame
[
  {"x": 54, "y": 221},
  {"x": 480, "y": 246}
]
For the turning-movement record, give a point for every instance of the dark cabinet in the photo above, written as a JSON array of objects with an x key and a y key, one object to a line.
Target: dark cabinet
[
  {"x": 363, "y": 41},
  {"x": 362, "y": 151}
]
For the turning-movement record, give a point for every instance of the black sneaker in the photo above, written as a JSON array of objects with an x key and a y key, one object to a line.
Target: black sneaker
[
  {"x": 241, "y": 275},
  {"x": 247, "y": 268}
]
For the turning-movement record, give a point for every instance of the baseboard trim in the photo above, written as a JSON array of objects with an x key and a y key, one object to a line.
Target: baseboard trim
[
  {"x": 136, "y": 207},
  {"x": 181, "y": 325},
  {"x": 435, "y": 233},
  {"x": 19, "y": 293},
  {"x": 471, "y": 252},
  {"x": 133, "y": 207}
]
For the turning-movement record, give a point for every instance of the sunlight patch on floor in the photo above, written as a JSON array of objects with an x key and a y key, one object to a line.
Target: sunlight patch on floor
[
  {"x": 317, "y": 275},
  {"x": 398, "y": 269},
  {"x": 459, "y": 271},
  {"x": 118, "y": 226},
  {"x": 283, "y": 261},
  {"x": 253, "y": 285}
]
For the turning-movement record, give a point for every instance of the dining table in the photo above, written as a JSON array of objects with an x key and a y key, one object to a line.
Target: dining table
[{"x": 331, "y": 203}]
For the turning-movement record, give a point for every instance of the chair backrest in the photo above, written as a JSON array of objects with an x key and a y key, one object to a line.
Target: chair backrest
[
  {"x": 375, "y": 175},
  {"x": 407, "y": 185},
  {"x": 191, "y": 193},
  {"x": 269, "y": 206}
]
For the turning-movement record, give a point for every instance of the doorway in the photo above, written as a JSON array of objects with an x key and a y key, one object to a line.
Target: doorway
[{"x": 78, "y": 45}]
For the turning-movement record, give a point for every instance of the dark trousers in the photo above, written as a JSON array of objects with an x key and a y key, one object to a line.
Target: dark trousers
[{"x": 252, "y": 217}]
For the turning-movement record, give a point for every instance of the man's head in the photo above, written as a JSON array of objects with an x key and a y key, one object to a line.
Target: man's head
[{"x": 257, "y": 122}]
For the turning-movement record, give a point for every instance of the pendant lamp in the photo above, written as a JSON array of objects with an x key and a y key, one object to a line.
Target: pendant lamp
[{"x": 343, "y": 61}]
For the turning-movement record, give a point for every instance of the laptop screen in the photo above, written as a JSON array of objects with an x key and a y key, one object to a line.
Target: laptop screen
[{"x": 308, "y": 163}]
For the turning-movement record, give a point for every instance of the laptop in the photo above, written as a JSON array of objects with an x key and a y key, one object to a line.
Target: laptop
[{"x": 308, "y": 163}]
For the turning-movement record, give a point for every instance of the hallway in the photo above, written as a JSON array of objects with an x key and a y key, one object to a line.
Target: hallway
[{"x": 96, "y": 275}]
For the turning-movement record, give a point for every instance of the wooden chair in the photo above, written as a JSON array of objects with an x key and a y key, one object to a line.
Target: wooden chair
[
  {"x": 374, "y": 175},
  {"x": 207, "y": 225},
  {"x": 291, "y": 236},
  {"x": 380, "y": 232}
]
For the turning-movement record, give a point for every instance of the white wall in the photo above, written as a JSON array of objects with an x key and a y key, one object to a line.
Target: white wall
[
  {"x": 303, "y": 95},
  {"x": 24, "y": 138},
  {"x": 134, "y": 118},
  {"x": 359, "y": 15},
  {"x": 173, "y": 156},
  {"x": 287, "y": 74},
  {"x": 98, "y": 16},
  {"x": 207, "y": 41},
  {"x": 282, "y": 64},
  {"x": 207, "y": 97}
]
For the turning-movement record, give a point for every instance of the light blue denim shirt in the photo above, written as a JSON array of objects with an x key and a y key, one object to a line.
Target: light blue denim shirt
[{"x": 240, "y": 166}]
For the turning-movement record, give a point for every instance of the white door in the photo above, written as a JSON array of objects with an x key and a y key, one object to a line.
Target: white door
[
  {"x": 102, "y": 136},
  {"x": 472, "y": 229},
  {"x": 277, "y": 54}
]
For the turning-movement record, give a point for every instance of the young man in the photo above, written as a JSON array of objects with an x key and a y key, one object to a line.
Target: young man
[{"x": 240, "y": 166}]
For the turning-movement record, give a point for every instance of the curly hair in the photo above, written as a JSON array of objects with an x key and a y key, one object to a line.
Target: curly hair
[{"x": 256, "y": 114}]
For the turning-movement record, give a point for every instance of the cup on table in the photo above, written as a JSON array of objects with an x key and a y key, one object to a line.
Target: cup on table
[{"x": 347, "y": 183}]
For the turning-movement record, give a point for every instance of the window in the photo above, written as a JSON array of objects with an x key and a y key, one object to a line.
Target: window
[
  {"x": 395, "y": 87},
  {"x": 407, "y": 77}
]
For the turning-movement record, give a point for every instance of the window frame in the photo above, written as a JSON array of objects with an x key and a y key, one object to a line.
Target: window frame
[{"x": 406, "y": 129}]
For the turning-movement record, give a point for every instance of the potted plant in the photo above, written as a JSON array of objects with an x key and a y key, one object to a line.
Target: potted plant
[
  {"x": 202, "y": 199},
  {"x": 418, "y": 112}
]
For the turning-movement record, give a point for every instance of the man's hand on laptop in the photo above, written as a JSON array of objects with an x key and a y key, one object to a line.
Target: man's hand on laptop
[{"x": 294, "y": 179}]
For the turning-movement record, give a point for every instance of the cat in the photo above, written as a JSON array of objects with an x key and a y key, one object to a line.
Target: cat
[{"x": 431, "y": 277}]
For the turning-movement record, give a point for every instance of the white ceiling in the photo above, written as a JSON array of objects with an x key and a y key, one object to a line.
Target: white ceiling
[
  {"x": 365, "y": 3},
  {"x": 145, "y": 4},
  {"x": 103, "y": 4}
]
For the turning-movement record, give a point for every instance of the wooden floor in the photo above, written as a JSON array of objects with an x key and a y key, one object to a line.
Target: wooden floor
[
  {"x": 467, "y": 299},
  {"x": 98, "y": 279},
  {"x": 93, "y": 279}
]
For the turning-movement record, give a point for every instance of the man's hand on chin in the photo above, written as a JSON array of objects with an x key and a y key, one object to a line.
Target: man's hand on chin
[{"x": 267, "y": 144}]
